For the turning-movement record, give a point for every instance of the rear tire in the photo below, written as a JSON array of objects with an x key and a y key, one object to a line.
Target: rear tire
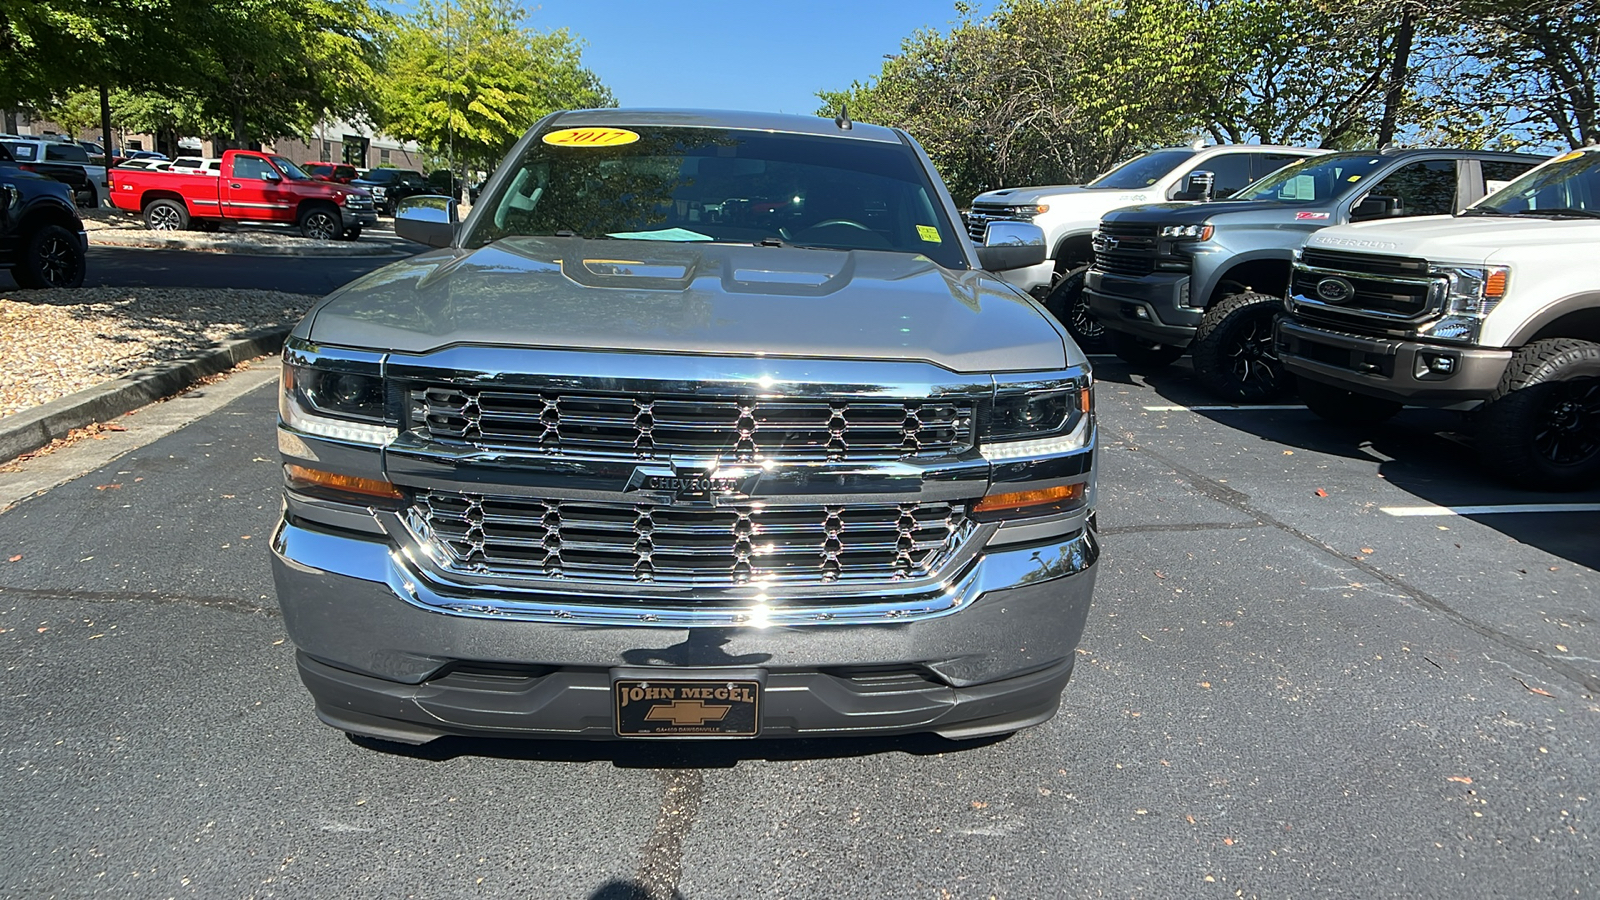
[
  {"x": 1069, "y": 303},
  {"x": 320, "y": 223},
  {"x": 166, "y": 215},
  {"x": 1541, "y": 427},
  {"x": 1234, "y": 354},
  {"x": 1348, "y": 408},
  {"x": 51, "y": 258},
  {"x": 1140, "y": 353}
]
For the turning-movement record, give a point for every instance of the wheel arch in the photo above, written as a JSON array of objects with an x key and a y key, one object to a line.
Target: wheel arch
[
  {"x": 151, "y": 196},
  {"x": 1263, "y": 273},
  {"x": 1575, "y": 316},
  {"x": 1074, "y": 250},
  {"x": 42, "y": 214}
]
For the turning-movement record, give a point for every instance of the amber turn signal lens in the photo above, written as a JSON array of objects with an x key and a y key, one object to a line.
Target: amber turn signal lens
[
  {"x": 1494, "y": 287},
  {"x": 300, "y": 476},
  {"x": 1061, "y": 497}
]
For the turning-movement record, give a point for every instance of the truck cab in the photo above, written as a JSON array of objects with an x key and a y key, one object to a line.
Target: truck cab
[
  {"x": 1069, "y": 214},
  {"x": 1211, "y": 276},
  {"x": 1494, "y": 310}
]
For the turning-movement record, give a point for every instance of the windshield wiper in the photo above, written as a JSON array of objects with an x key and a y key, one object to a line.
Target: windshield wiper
[
  {"x": 1483, "y": 211},
  {"x": 1562, "y": 211}
]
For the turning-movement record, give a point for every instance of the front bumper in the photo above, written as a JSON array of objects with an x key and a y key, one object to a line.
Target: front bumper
[
  {"x": 385, "y": 652},
  {"x": 358, "y": 218},
  {"x": 1391, "y": 368},
  {"x": 1154, "y": 307}
]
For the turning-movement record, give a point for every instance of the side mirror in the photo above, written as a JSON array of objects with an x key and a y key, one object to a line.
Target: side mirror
[
  {"x": 271, "y": 176},
  {"x": 1197, "y": 186},
  {"x": 427, "y": 219},
  {"x": 1375, "y": 208},
  {"x": 1011, "y": 245}
]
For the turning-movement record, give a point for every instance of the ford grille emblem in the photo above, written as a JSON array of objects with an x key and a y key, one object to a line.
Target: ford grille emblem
[{"x": 1335, "y": 290}]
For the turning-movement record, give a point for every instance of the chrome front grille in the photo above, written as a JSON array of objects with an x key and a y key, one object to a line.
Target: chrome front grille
[
  {"x": 979, "y": 217},
  {"x": 748, "y": 544},
  {"x": 741, "y": 429}
]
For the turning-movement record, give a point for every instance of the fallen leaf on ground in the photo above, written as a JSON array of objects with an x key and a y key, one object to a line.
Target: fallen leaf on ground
[
  {"x": 979, "y": 804},
  {"x": 15, "y": 558},
  {"x": 108, "y": 487},
  {"x": 1321, "y": 492},
  {"x": 1460, "y": 779},
  {"x": 1228, "y": 841},
  {"x": 1366, "y": 549}
]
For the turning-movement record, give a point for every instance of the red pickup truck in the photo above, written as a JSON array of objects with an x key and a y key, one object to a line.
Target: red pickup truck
[{"x": 252, "y": 187}]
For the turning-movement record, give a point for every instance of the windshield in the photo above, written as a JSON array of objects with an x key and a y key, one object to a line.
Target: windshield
[
  {"x": 1569, "y": 184},
  {"x": 1141, "y": 171},
  {"x": 728, "y": 186},
  {"x": 290, "y": 170},
  {"x": 1318, "y": 179}
]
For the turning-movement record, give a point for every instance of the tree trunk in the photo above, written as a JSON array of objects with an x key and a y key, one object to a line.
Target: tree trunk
[
  {"x": 1397, "y": 79},
  {"x": 105, "y": 121},
  {"x": 11, "y": 121}
]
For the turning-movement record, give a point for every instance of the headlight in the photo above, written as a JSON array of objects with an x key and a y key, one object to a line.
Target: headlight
[
  {"x": 1039, "y": 418},
  {"x": 344, "y": 403},
  {"x": 1471, "y": 293},
  {"x": 1188, "y": 232}
]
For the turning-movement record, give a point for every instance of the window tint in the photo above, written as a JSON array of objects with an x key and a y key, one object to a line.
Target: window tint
[
  {"x": 1499, "y": 173},
  {"x": 66, "y": 153},
  {"x": 23, "y": 152},
  {"x": 1232, "y": 171},
  {"x": 1426, "y": 188},
  {"x": 1141, "y": 172},
  {"x": 250, "y": 167},
  {"x": 1571, "y": 182},
  {"x": 1264, "y": 164},
  {"x": 1314, "y": 179}
]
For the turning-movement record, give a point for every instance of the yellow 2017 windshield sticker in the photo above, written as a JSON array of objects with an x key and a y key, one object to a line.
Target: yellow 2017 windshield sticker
[
  {"x": 591, "y": 137},
  {"x": 929, "y": 233}
]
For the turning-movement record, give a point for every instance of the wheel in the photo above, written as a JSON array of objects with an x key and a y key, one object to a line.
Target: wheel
[
  {"x": 88, "y": 198},
  {"x": 1234, "y": 355},
  {"x": 51, "y": 258},
  {"x": 166, "y": 215},
  {"x": 1069, "y": 303},
  {"x": 351, "y": 234},
  {"x": 319, "y": 223},
  {"x": 1343, "y": 407},
  {"x": 1541, "y": 427},
  {"x": 1142, "y": 353}
]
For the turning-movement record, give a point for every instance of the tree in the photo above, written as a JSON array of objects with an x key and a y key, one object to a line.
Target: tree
[{"x": 467, "y": 79}]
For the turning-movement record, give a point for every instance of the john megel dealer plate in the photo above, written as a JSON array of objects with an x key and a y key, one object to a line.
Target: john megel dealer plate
[{"x": 676, "y": 708}]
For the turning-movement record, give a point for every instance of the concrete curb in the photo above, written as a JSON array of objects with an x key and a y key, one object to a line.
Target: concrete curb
[
  {"x": 99, "y": 238},
  {"x": 29, "y": 430}
]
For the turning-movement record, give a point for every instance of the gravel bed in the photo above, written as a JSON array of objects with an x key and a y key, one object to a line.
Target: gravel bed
[{"x": 56, "y": 342}]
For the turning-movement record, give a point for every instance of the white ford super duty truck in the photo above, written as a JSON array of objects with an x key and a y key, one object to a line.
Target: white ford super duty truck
[{"x": 1495, "y": 309}]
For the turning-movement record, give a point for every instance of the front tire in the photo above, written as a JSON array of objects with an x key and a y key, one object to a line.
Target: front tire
[
  {"x": 1234, "y": 354},
  {"x": 1541, "y": 427},
  {"x": 52, "y": 258},
  {"x": 166, "y": 215},
  {"x": 1069, "y": 303},
  {"x": 1347, "y": 408},
  {"x": 320, "y": 224},
  {"x": 1141, "y": 353}
]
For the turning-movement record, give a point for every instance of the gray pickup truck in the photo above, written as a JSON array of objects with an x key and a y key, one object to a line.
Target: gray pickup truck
[
  {"x": 1210, "y": 277},
  {"x": 700, "y": 425}
]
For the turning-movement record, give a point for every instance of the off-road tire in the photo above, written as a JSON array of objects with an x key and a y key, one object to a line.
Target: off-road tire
[
  {"x": 1342, "y": 407},
  {"x": 1540, "y": 429},
  {"x": 1234, "y": 354},
  {"x": 320, "y": 223},
  {"x": 52, "y": 257},
  {"x": 1069, "y": 303},
  {"x": 1140, "y": 353},
  {"x": 351, "y": 234},
  {"x": 166, "y": 215}
]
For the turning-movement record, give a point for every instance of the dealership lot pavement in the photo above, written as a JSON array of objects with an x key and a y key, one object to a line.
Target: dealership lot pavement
[{"x": 1284, "y": 691}]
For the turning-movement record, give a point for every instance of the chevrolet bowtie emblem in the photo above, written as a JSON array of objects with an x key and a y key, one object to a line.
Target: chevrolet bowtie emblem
[{"x": 686, "y": 712}]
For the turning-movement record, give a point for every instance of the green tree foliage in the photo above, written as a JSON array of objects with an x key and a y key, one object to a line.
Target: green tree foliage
[{"x": 467, "y": 79}]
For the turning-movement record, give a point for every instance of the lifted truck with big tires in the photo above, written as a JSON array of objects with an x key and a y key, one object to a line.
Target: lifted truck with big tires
[
  {"x": 1069, "y": 214},
  {"x": 1495, "y": 310},
  {"x": 1211, "y": 277},
  {"x": 251, "y": 187}
]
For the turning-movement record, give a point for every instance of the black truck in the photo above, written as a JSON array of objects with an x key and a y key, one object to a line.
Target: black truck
[
  {"x": 1211, "y": 276},
  {"x": 42, "y": 241}
]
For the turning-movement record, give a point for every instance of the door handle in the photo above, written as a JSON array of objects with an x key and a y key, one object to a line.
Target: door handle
[{"x": 235, "y": 185}]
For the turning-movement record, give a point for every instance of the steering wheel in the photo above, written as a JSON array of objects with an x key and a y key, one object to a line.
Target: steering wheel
[
  {"x": 826, "y": 223},
  {"x": 867, "y": 240}
]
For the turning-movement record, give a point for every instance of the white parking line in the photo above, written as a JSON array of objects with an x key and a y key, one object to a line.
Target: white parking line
[
  {"x": 1490, "y": 510},
  {"x": 1224, "y": 406}
]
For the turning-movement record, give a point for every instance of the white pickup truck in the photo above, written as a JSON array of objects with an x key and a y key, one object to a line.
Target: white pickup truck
[
  {"x": 1495, "y": 309},
  {"x": 1069, "y": 214}
]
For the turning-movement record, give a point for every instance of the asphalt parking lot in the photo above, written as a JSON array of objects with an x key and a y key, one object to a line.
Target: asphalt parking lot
[{"x": 1304, "y": 676}]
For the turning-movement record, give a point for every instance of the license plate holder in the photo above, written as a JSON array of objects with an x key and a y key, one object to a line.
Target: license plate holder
[{"x": 678, "y": 707}]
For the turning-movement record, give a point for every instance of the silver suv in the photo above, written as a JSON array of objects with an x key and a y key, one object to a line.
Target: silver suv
[{"x": 699, "y": 425}]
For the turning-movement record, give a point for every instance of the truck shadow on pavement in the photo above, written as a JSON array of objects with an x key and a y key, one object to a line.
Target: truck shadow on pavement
[
  {"x": 675, "y": 753},
  {"x": 1427, "y": 453}
]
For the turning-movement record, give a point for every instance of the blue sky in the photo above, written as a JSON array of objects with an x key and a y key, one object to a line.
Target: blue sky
[{"x": 756, "y": 54}]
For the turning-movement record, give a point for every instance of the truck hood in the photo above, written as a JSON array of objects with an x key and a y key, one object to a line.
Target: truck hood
[
  {"x": 719, "y": 299},
  {"x": 1069, "y": 197},
  {"x": 1256, "y": 211},
  {"x": 1461, "y": 239},
  {"x": 1013, "y": 196}
]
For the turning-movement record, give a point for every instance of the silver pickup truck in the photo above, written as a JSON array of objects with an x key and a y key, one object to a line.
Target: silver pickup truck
[{"x": 700, "y": 425}]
